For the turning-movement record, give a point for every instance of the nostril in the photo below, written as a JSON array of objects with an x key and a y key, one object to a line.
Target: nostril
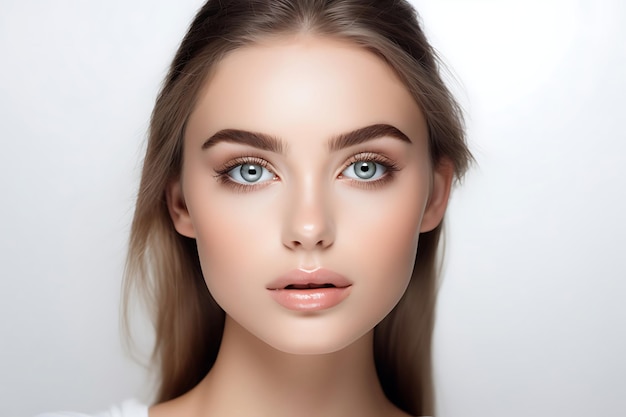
[{"x": 308, "y": 235}]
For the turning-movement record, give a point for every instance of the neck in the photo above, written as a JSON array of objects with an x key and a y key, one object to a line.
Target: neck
[{"x": 252, "y": 378}]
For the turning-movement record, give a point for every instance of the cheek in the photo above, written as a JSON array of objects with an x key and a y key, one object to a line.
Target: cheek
[
  {"x": 395, "y": 239},
  {"x": 385, "y": 229},
  {"x": 383, "y": 244},
  {"x": 232, "y": 239}
]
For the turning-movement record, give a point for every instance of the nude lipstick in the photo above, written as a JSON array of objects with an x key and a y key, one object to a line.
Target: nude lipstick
[{"x": 301, "y": 290}]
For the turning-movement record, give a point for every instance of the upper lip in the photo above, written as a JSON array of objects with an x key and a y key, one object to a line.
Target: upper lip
[{"x": 316, "y": 278}]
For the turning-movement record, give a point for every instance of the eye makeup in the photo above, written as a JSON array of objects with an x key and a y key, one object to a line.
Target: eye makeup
[
  {"x": 389, "y": 166},
  {"x": 224, "y": 174}
]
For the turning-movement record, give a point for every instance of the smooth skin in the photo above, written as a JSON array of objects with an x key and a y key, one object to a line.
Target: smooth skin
[{"x": 354, "y": 209}]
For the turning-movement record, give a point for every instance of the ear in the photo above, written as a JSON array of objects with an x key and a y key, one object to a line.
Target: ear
[
  {"x": 439, "y": 194},
  {"x": 178, "y": 209}
]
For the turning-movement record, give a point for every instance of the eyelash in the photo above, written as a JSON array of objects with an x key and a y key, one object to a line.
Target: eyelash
[
  {"x": 222, "y": 176},
  {"x": 391, "y": 168}
]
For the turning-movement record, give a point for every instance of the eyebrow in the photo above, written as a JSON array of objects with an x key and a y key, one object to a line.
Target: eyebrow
[
  {"x": 274, "y": 144},
  {"x": 365, "y": 134},
  {"x": 244, "y": 137}
]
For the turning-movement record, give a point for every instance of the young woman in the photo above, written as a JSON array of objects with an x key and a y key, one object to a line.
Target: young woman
[{"x": 299, "y": 150}]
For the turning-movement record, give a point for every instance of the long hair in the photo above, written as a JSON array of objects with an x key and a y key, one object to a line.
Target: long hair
[{"x": 163, "y": 266}]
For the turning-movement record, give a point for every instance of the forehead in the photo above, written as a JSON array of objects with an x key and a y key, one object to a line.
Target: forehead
[{"x": 305, "y": 87}]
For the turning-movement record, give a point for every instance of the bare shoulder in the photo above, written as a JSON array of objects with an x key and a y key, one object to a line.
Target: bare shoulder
[
  {"x": 172, "y": 408},
  {"x": 160, "y": 410}
]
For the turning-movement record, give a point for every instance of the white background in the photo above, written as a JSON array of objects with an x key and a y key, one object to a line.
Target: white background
[{"x": 531, "y": 316}]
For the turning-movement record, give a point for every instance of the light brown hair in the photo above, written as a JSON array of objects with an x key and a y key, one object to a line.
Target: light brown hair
[{"x": 163, "y": 266}]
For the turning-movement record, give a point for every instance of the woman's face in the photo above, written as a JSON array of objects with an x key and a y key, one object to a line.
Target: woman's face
[{"x": 306, "y": 181}]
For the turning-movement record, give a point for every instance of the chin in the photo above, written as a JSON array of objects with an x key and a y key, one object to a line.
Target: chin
[
  {"x": 314, "y": 340},
  {"x": 309, "y": 347}
]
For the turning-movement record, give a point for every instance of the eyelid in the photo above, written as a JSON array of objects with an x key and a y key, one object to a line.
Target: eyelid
[
  {"x": 241, "y": 160},
  {"x": 373, "y": 157},
  {"x": 222, "y": 173},
  {"x": 390, "y": 169}
]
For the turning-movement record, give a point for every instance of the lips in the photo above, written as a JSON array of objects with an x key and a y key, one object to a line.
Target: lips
[
  {"x": 301, "y": 290},
  {"x": 308, "y": 286},
  {"x": 301, "y": 279}
]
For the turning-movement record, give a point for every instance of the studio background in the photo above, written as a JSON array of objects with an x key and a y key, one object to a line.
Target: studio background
[{"x": 531, "y": 313}]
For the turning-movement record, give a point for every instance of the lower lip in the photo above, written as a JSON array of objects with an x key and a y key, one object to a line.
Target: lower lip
[{"x": 313, "y": 299}]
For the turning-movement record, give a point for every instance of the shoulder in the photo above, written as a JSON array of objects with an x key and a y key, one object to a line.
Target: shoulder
[{"x": 129, "y": 408}]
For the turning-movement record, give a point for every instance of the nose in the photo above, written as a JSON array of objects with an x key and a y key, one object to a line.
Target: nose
[{"x": 308, "y": 221}]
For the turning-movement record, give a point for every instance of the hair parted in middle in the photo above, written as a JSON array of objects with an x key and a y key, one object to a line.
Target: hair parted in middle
[{"x": 163, "y": 266}]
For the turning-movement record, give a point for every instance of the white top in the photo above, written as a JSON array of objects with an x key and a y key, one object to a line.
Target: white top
[{"x": 129, "y": 408}]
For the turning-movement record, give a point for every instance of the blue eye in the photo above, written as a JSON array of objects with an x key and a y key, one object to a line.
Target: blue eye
[
  {"x": 250, "y": 174},
  {"x": 364, "y": 171}
]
